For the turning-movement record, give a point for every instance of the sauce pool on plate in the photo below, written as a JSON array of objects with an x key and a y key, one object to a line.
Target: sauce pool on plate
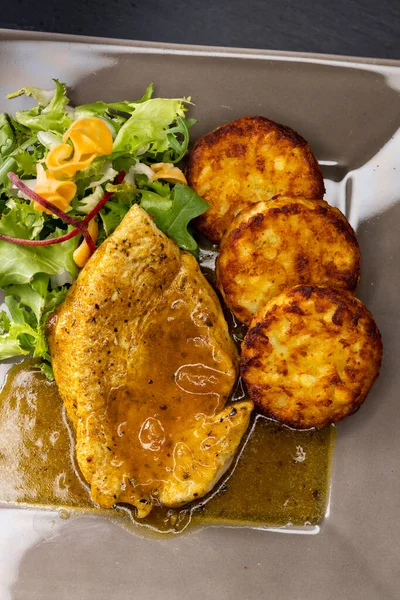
[{"x": 281, "y": 477}]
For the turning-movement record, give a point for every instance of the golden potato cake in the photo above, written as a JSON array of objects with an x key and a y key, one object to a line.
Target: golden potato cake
[
  {"x": 273, "y": 245},
  {"x": 246, "y": 161},
  {"x": 311, "y": 356}
]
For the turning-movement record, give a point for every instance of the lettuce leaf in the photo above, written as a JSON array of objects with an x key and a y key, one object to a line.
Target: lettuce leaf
[
  {"x": 21, "y": 220},
  {"x": 28, "y": 297},
  {"x": 149, "y": 124},
  {"x": 35, "y": 278},
  {"x": 19, "y": 264},
  {"x": 124, "y": 196},
  {"x": 7, "y": 165},
  {"x": 23, "y": 332},
  {"x": 106, "y": 109},
  {"x": 42, "y": 97},
  {"x": 49, "y": 140},
  {"x": 8, "y": 143},
  {"x": 10, "y": 347},
  {"x": 7, "y": 136},
  {"x": 51, "y": 116},
  {"x": 110, "y": 111}
]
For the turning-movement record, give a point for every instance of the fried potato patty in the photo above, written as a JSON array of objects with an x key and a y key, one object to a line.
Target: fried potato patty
[
  {"x": 273, "y": 245},
  {"x": 246, "y": 161},
  {"x": 311, "y": 356}
]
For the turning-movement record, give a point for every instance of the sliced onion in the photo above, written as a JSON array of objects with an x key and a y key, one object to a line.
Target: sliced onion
[
  {"x": 108, "y": 173},
  {"x": 48, "y": 139},
  {"x": 89, "y": 202}
]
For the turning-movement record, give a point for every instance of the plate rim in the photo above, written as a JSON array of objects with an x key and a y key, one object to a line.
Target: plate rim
[
  {"x": 346, "y": 550},
  {"x": 7, "y": 34}
]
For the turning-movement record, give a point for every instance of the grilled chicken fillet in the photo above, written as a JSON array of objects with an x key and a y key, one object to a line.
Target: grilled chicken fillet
[{"x": 144, "y": 364}]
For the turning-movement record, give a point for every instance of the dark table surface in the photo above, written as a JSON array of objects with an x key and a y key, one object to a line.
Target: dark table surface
[{"x": 354, "y": 27}]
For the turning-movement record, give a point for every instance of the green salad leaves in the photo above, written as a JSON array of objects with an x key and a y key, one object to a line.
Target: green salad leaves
[
  {"x": 173, "y": 213},
  {"x": 36, "y": 278},
  {"x": 50, "y": 114}
]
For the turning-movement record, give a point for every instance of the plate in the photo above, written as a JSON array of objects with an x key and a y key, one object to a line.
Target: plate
[{"x": 349, "y": 111}]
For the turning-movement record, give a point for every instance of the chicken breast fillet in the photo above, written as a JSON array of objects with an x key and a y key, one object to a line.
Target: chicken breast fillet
[{"x": 144, "y": 364}]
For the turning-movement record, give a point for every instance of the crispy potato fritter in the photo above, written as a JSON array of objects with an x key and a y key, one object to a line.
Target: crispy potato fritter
[
  {"x": 249, "y": 160},
  {"x": 311, "y": 356},
  {"x": 273, "y": 245}
]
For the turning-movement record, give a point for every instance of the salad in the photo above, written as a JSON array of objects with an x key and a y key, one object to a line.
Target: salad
[{"x": 68, "y": 176}]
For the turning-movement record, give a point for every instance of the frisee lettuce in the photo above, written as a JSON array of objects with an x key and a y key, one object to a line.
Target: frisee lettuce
[
  {"x": 23, "y": 325},
  {"x": 149, "y": 124},
  {"x": 19, "y": 264},
  {"x": 144, "y": 131},
  {"x": 50, "y": 114}
]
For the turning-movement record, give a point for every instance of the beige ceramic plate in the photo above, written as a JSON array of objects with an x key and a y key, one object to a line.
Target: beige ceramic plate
[{"x": 349, "y": 111}]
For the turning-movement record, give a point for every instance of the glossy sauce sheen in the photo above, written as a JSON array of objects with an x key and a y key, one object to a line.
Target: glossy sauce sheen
[
  {"x": 282, "y": 476},
  {"x": 155, "y": 409}
]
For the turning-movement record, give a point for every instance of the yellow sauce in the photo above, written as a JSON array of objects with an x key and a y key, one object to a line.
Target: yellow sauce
[
  {"x": 154, "y": 410},
  {"x": 282, "y": 475}
]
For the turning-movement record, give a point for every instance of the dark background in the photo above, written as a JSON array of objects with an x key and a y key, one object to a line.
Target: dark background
[{"x": 354, "y": 27}]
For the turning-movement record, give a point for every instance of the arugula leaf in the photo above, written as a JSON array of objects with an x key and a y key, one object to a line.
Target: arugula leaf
[
  {"x": 152, "y": 202},
  {"x": 149, "y": 124},
  {"x": 178, "y": 145},
  {"x": 52, "y": 116},
  {"x": 172, "y": 212},
  {"x": 185, "y": 206}
]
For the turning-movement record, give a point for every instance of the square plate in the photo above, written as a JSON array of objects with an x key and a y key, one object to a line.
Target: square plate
[{"x": 349, "y": 111}]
